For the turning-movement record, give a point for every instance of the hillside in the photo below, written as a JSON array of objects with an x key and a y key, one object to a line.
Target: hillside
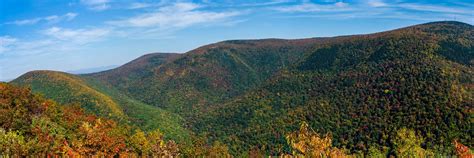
[
  {"x": 250, "y": 95},
  {"x": 133, "y": 71},
  {"x": 188, "y": 83},
  {"x": 102, "y": 100},
  {"x": 362, "y": 90},
  {"x": 31, "y": 125},
  {"x": 66, "y": 88}
]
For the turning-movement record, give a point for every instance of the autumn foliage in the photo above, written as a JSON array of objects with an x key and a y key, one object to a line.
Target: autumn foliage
[
  {"x": 308, "y": 143},
  {"x": 401, "y": 93},
  {"x": 32, "y": 125}
]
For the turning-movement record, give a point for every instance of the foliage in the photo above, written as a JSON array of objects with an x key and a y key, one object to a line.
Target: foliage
[
  {"x": 406, "y": 92},
  {"x": 153, "y": 144},
  {"x": 462, "y": 151},
  {"x": 307, "y": 143},
  {"x": 407, "y": 144},
  {"x": 101, "y": 100},
  {"x": 13, "y": 143},
  {"x": 186, "y": 84},
  {"x": 362, "y": 89},
  {"x": 38, "y": 126}
]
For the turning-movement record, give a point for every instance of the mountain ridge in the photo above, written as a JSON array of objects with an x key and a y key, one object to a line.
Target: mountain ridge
[
  {"x": 101, "y": 100},
  {"x": 360, "y": 88}
]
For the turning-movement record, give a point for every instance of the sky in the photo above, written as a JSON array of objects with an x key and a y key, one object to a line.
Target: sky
[{"x": 85, "y": 34}]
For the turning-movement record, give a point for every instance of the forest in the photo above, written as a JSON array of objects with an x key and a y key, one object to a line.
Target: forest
[
  {"x": 404, "y": 93},
  {"x": 32, "y": 125}
]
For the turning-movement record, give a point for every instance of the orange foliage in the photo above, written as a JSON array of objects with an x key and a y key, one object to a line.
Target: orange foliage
[{"x": 462, "y": 151}]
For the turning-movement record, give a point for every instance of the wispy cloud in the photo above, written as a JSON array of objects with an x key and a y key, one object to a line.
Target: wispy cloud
[
  {"x": 273, "y": 2},
  {"x": 6, "y": 42},
  {"x": 435, "y": 8},
  {"x": 55, "y": 40},
  {"x": 138, "y": 5},
  {"x": 376, "y": 3},
  {"x": 77, "y": 36},
  {"x": 312, "y": 7},
  {"x": 252, "y": 4},
  {"x": 378, "y": 9},
  {"x": 177, "y": 15},
  {"x": 96, "y": 5},
  {"x": 48, "y": 19}
]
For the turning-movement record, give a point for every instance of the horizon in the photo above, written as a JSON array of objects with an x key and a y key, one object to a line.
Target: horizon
[{"x": 87, "y": 34}]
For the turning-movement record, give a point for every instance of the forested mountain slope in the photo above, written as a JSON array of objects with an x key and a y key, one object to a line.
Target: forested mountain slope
[
  {"x": 31, "y": 125},
  {"x": 362, "y": 90},
  {"x": 132, "y": 72},
  {"x": 188, "y": 84},
  {"x": 250, "y": 94},
  {"x": 102, "y": 100}
]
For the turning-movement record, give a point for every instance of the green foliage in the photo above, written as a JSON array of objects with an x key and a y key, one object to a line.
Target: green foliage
[
  {"x": 140, "y": 143},
  {"x": 374, "y": 152},
  {"x": 40, "y": 128},
  {"x": 247, "y": 95},
  {"x": 66, "y": 89},
  {"x": 361, "y": 89},
  {"x": 102, "y": 100},
  {"x": 186, "y": 84},
  {"x": 13, "y": 143},
  {"x": 407, "y": 144},
  {"x": 153, "y": 144}
]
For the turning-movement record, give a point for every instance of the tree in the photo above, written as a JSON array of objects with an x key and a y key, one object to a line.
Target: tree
[
  {"x": 159, "y": 147},
  {"x": 13, "y": 143},
  {"x": 462, "y": 151},
  {"x": 306, "y": 142},
  {"x": 140, "y": 143},
  {"x": 219, "y": 149},
  {"x": 408, "y": 144}
]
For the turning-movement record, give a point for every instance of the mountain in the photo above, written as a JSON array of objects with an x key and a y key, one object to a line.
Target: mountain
[
  {"x": 31, "y": 125},
  {"x": 102, "y": 100},
  {"x": 92, "y": 70},
  {"x": 360, "y": 90},
  {"x": 141, "y": 67},
  {"x": 187, "y": 83}
]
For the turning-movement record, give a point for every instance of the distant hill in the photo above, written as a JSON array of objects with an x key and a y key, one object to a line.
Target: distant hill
[
  {"x": 188, "y": 83},
  {"x": 135, "y": 70},
  {"x": 92, "y": 70},
  {"x": 249, "y": 94},
  {"x": 101, "y": 100}
]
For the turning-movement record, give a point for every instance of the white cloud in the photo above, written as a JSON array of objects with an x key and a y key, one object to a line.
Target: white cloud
[
  {"x": 435, "y": 8},
  {"x": 341, "y": 4},
  {"x": 311, "y": 7},
  {"x": 56, "y": 40},
  {"x": 177, "y": 15},
  {"x": 255, "y": 3},
  {"x": 70, "y": 16},
  {"x": 15, "y": 47},
  {"x": 6, "y": 42},
  {"x": 77, "y": 36},
  {"x": 139, "y": 5},
  {"x": 334, "y": 9},
  {"x": 96, "y": 5},
  {"x": 376, "y": 3},
  {"x": 273, "y": 2},
  {"x": 25, "y": 22},
  {"x": 49, "y": 19}
]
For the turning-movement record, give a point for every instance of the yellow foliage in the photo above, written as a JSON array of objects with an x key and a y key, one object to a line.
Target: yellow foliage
[{"x": 306, "y": 142}]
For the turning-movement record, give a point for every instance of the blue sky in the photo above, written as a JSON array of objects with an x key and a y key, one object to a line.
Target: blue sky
[{"x": 72, "y": 35}]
